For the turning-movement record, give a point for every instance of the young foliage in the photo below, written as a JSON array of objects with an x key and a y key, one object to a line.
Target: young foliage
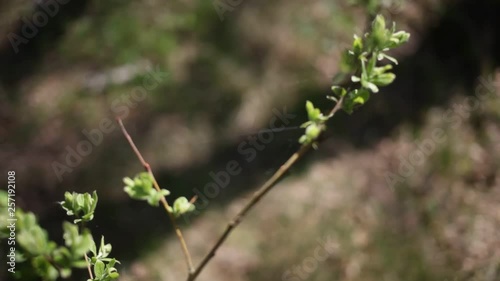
[
  {"x": 141, "y": 188},
  {"x": 315, "y": 126},
  {"x": 82, "y": 206},
  {"x": 50, "y": 261},
  {"x": 79, "y": 244},
  {"x": 361, "y": 62},
  {"x": 182, "y": 206},
  {"x": 104, "y": 269}
]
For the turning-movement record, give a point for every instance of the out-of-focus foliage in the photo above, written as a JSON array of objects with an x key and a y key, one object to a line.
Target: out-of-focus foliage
[{"x": 36, "y": 255}]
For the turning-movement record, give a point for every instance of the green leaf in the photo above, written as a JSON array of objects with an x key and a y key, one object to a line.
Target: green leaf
[
  {"x": 112, "y": 263},
  {"x": 128, "y": 181},
  {"x": 93, "y": 249},
  {"x": 31, "y": 237},
  {"x": 182, "y": 206},
  {"x": 67, "y": 204},
  {"x": 384, "y": 79},
  {"x": 303, "y": 139},
  {"x": 70, "y": 234},
  {"x": 44, "y": 269},
  {"x": 382, "y": 56},
  {"x": 62, "y": 256},
  {"x": 362, "y": 96},
  {"x": 348, "y": 105},
  {"x": 82, "y": 206},
  {"x": 80, "y": 200},
  {"x": 339, "y": 91},
  {"x": 111, "y": 271},
  {"x": 332, "y": 98},
  {"x": 372, "y": 87},
  {"x": 379, "y": 35},
  {"x": 313, "y": 113},
  {"x": 357, "y": 45},
  {"x": 364, "y": 73},
  {"x": 78, "y": 244},
  {"x": 371, "y": 65},
  {"x": 399, "y": 38},
  {"x": 104, "y": 249},
  {"x": 85, "y": 242},
  {"x": 99, "y": 269},
  {"x": 65, "y": 272},
  {"x": 313, "y": 131},
  {"x": 348, "y": 62},
  {"x": 378, "y": 24},
  {"x": 141, "y": 188}
]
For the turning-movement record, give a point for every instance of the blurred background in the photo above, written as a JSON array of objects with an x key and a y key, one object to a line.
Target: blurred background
[{"x": 196, "y": 81}]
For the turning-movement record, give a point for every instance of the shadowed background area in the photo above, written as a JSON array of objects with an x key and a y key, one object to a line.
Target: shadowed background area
[{"x": 195, "y": 85}]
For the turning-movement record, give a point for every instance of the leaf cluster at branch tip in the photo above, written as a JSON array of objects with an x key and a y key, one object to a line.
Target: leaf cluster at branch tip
[{"x": 360, "y": 63}]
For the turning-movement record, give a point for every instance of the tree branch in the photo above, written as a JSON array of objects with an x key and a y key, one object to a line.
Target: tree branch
[
  {"x": 257, "y": 196},
  {"x": 163, "y": 200}
]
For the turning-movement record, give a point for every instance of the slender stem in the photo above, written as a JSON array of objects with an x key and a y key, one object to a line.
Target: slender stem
[
  {"x": 88, "y": 266},
  {"x": 338, "y": 106},
  {"x": 162, "y": 199},
  {"x": 265, "y": 188}
]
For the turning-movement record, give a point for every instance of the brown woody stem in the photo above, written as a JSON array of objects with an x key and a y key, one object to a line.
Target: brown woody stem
[{"x": 162, "y": 199}]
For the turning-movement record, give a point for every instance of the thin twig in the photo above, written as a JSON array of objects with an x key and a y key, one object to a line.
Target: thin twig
[
  {"x": 88, "y": 266},
  {"x": 337, "y": 106},
  {"x": 162, "y": 199},
  {"x": 265, "y": 188}
]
